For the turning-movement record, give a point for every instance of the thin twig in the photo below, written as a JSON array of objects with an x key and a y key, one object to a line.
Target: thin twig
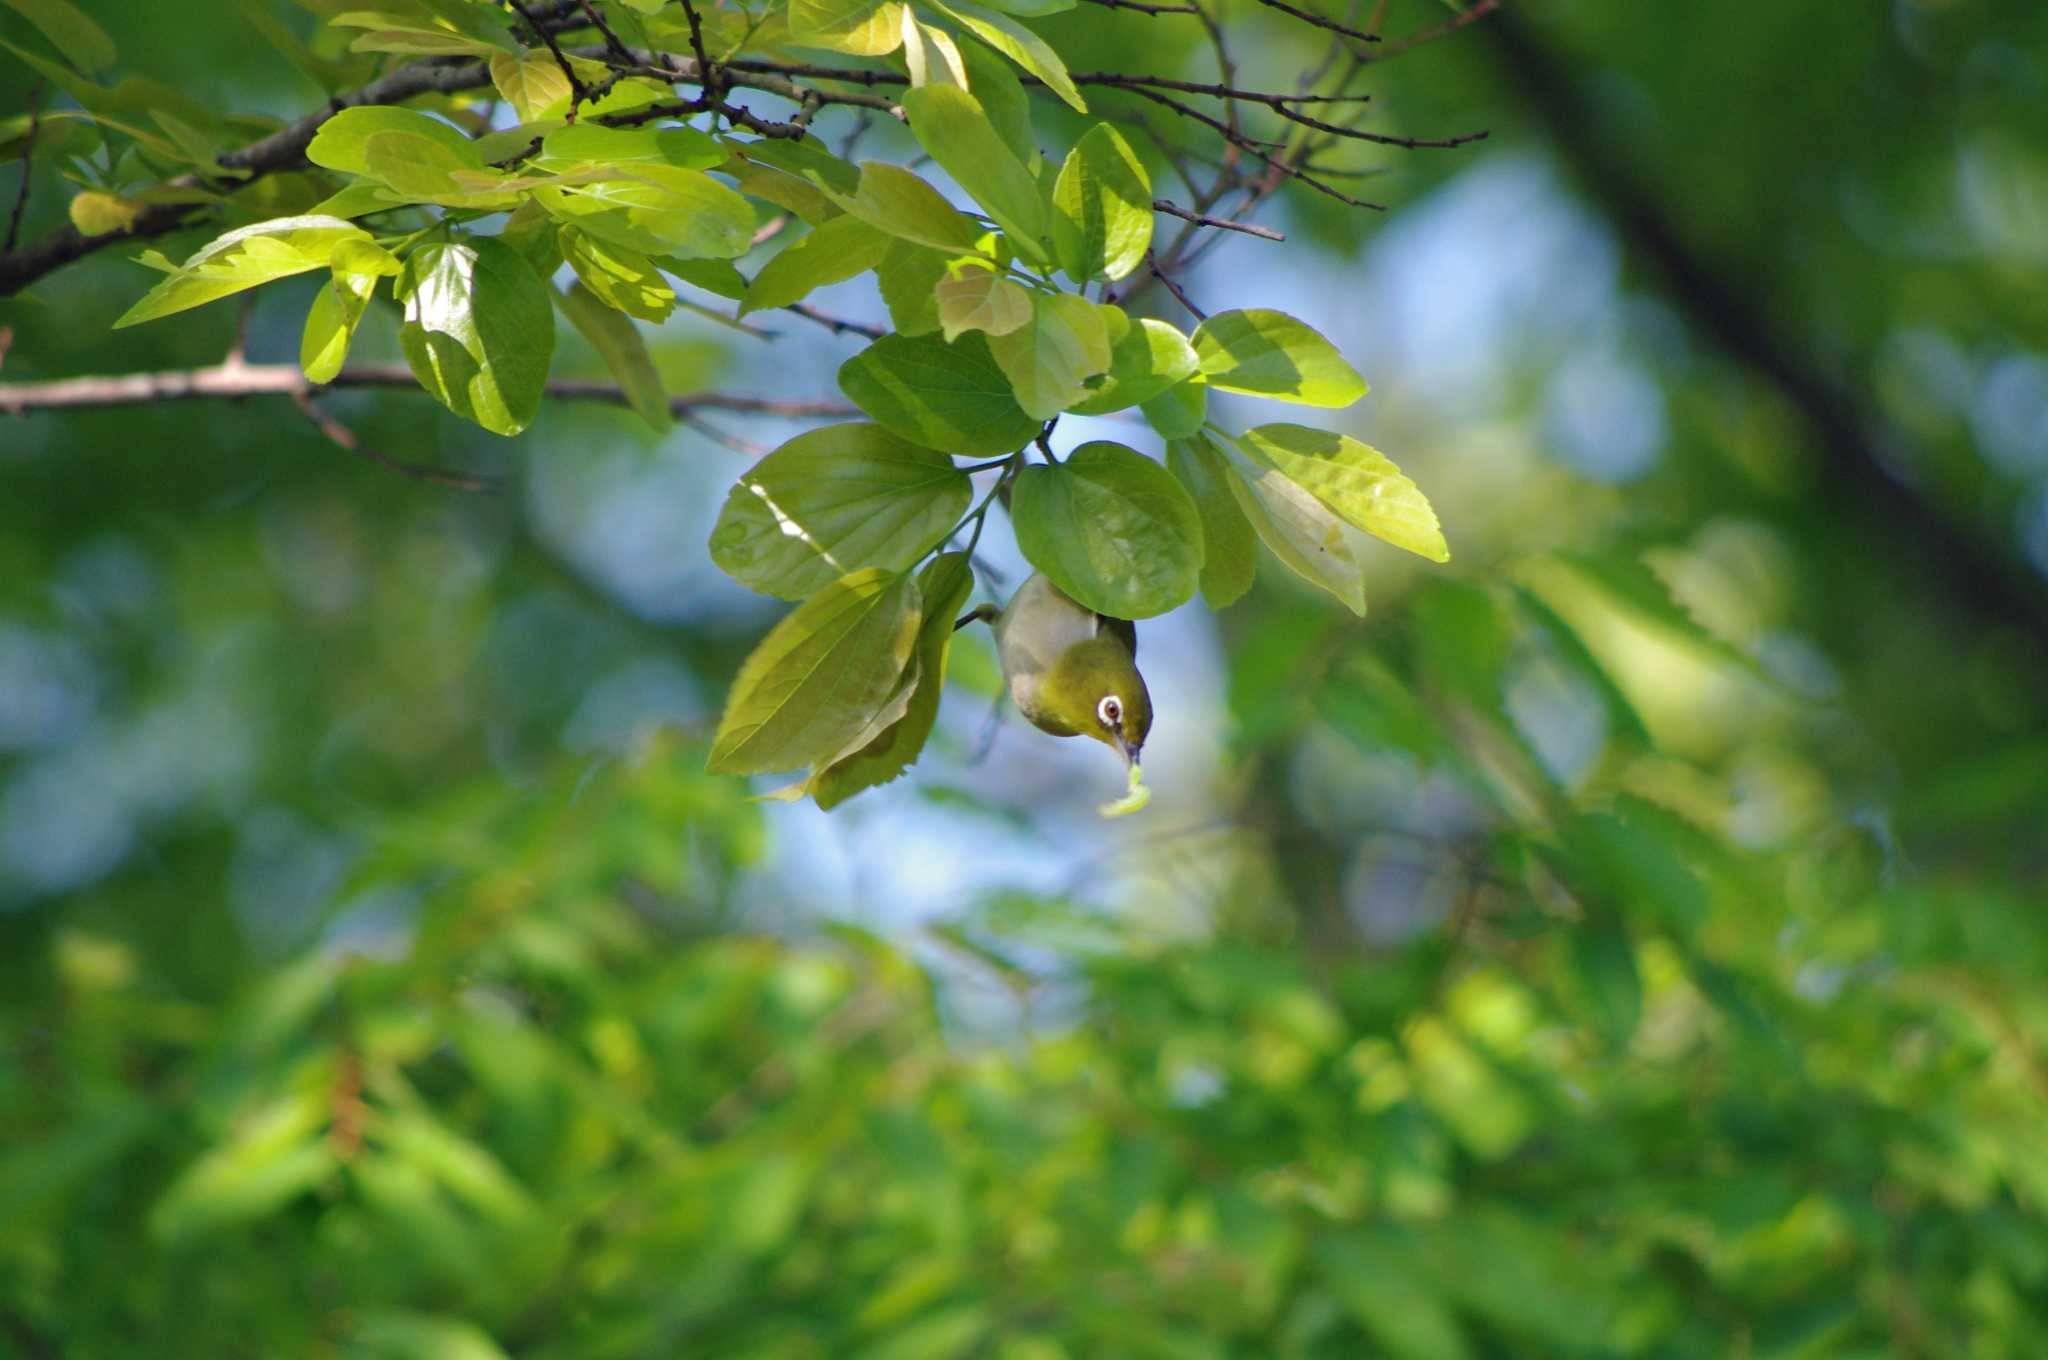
[
  {"x": 342, "y": 436},
  {"x": 28, "y": 150},
  {"x": 1204, "y": 219},
  {"x": 1173, "y": 288}
]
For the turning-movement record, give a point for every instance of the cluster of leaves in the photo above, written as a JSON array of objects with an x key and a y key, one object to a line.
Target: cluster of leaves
[{"x": 606, "y": 174}]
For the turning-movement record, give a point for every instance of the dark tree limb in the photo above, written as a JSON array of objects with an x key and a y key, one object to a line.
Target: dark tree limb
[{"x": 1861, "y": 452}]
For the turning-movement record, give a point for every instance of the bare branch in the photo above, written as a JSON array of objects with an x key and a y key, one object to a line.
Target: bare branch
[
  {"x": 1203, "y": 219},
  {"x": 28, "y": 151},
  {"x": 343, "y": 437},
  {"x": 286, "y": 380}
]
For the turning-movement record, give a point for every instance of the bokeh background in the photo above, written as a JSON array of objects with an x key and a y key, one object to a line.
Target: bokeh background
[{"x": 1628, "y": 940}]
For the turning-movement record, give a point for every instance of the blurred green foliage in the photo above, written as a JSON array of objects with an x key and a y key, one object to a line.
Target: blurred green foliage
[{"x": 1630, "y": 944}]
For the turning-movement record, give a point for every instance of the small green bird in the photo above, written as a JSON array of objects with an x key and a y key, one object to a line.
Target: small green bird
[{"x": 1071, "y": 671}]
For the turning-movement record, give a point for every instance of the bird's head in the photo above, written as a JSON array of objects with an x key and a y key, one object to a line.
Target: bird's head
[{"x": 1094, "y": 690}]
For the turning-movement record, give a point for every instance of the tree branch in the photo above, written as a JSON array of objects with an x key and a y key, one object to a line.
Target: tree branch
[{"x": 234, "y": 380}]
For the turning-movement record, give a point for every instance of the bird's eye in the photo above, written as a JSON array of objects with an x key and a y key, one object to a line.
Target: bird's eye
[{"x": 1110, "y": 710}]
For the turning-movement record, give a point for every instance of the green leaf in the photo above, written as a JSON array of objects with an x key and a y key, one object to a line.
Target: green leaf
[
  {"x": 419, "y": 42},
  {"x": 903, "y": 205},
  {"x": 624, "y": 351},
  {"x": 829, "y": 253},
  {"x": 805, "y": 160},
  {"x": 533, "y": 84},
  {"x": 244, "y": 258},
  {"x": 1356, "y": 480},
  {"x": 1230, "y": 553},
  {"x": 576, "y": 146},
  {"x": 909, "y": 278},
  {"x": 657, "y": 209},
  {"x": 1111, "y": 528},
  {"x": 974, "y": 296},
  {"x": 1016, "y": 42},
  {"x": 949, "y": 123},
  {"x": 1033, "y": 9},
  {"x": 339, "y": 305},
  {"x": 70, "y": 30},
  {"x": 948, "y": 397},
  {"x": 399, "y": 1334},
  {"x": 620, "y": 278},
  {"x": 343, "y": 141},
  {"x": 478, "y": 331},
  {"x": 718, "y": 277},
  {"x": 1294, "y": 525},
  {"x": 1148, "y": 359},
  {"x": 424, "y": 169},
  {"x": 1102, "y": 208},
  {"x": 944, "y": 586},
  {"x": 832, "y": 501},
  {"x": 1001, "y": 95},
  {"x": 1180, "y": 411},
  {"x": 1050, "y": 360},
  {"x": 1270, "y": 354},
  {"x": 866, "y": 28},
  {"x": 819, "y": 675},
  {"x": 1377, "y": 1280}
]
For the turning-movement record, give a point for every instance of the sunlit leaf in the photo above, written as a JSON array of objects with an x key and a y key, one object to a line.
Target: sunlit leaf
[
  {"x": 950, "y": 124},
  {"x": 832, "y": 501},
  {"x": 244, "y": 258},
  {"x": 829, "y": 253},
  {"x": 1355, "y": 480},
  {"x": 1016, "y": 42},
  {"x": 1050, "y": 359},
  {"x": 819, "y": 675},
  {"x": 533, "y": 84},
  {"x": 478, "y": 331},
  {"x": 624, "y": 351},
  {"x": 975, "y": 296},
  {"x": 1148, "y": 359},
  {"x": 1229, "y": 548},
  {"x": 1102, "y": 208},
  {"x": 1295, "y": 526},
  {"x": 903, "y": 205},
  {"x": 1270, "y": 354},
  {"x": 867, "y": 28},
  {"x": 618, "y": 277}
]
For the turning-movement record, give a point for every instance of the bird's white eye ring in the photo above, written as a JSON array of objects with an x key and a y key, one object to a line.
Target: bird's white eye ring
[{"x": 1110, "y": 710}]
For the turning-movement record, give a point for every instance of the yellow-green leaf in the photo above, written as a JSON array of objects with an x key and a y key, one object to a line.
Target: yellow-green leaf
[
  {"x": 624, "y": 351},
  {"x": 1102, "y": 208},
  {"x": 1270, "y": 354},
  {"x": 974, "y": 296},
  {"x": 1355, "y": 480},
  {"x": 1111, "y": 528},
  {"x": 1050, "y": 360},
  {"x": 1230, "y": 553}
]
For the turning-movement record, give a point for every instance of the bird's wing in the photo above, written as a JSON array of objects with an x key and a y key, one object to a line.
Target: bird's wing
[{"x": 1123, "y": 629}]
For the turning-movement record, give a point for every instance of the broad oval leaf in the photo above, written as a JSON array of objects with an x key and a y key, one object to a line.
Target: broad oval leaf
[
  {"x": 1050, "y": 359},
  {"x": 533, "y": 84},
  {"x": 657, "y": 209},
  {"x": 478, "y": 331},
  {"x": 343, "y": 141},
  {"x": 905, "y": 206},
  {"x": 944, "y": 586},
  {"x": 1230, "y": 550},
  {"x": 1102, "y": 208},
  {"x": 909, "y": 278},
  {"x": 950, "y": 124},
  {"x": 244, "y": 258},
  {"x": 1150, "y": 357},
  {"x": 831, "y": 252},
  {"x": 974, "y": 296},
  {"x": 620, "y": 278},
  {"x": 1111, "y": 528},
  {"x": 948, "y": 397},
  {"x": 866, "y": 28},
  {"x": 1270, "y": 354},
  {"x": 1356, "y": 480},
  {"x": 1295, "y": 526},
  {"x": 820, "y": 675},
  {"x": 832, "y": 501}
]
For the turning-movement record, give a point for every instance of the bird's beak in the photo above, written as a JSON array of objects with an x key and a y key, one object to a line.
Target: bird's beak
[{"x": 1130, "y": 753}]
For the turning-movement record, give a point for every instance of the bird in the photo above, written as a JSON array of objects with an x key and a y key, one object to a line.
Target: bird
[{"x": 1071, "y": 671}]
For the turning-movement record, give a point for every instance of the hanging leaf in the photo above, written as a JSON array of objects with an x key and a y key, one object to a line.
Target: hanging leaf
[
  {"x": 624, "y": 351},
  {"x": 1270, "y": 354},
  {"x": 479, "y": 331},
  {"x": 1016, "y": 42},
  {"x": 903, "y": 205},
  {"x": 949, "y": 123},
  {"x": 1111, "y": 528},
  {"x": 944, "y": 585},
  {"x": 1295, "y": 526},
  {"x": 1102, "y": 208},
  {"x": 819, "y": 675},
  {"x": 832, "y": 501},
  {"x": 1356, "y": 480},
  {"x": 619, "y": 278},
  {"x": 1230, "y": 553},
  {"x": 948, "y": 397}
]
